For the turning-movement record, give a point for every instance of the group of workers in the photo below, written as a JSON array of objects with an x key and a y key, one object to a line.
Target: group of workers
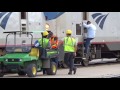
[
  {"x": 69, "y": 43},
  {"x": 48, "y": 41}
]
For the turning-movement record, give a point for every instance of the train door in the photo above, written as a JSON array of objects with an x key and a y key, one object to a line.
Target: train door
[
  {"x": 80, "y": 33},
  {"x": 36, "y": 23},
  {"x": 35, "y": 20},
  {"x": 79, "y": 36}
]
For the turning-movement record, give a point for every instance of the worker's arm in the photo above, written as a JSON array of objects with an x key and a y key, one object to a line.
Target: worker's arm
[
  {"x": 36, "y": 44},
  {"x": 85, "y": 25},
  {"x": 75, "y": 48}
]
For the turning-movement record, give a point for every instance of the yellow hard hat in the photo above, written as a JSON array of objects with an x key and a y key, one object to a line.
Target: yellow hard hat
[
  {"x": 45, "y": 33},
  {"x": 69, "y": 31}
]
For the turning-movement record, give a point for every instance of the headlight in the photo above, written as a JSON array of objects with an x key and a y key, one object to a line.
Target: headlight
[
  {"x": 20, "y": 60},
  {"x": 47, "y": 26},
  {"x": 6, "y": 60}
]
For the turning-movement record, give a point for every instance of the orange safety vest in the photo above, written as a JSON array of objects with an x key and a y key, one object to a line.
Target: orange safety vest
[{"x": 54, "y": 43}]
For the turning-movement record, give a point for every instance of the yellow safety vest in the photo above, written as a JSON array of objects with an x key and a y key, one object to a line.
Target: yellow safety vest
[
  {"x": 45, "y": 42},
  {"x": 69, "y": 44}
]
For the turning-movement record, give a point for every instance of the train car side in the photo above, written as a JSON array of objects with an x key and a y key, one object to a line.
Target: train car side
[
  {"x": 21, "y": 21},
  {"x": 107, "y": 41}
]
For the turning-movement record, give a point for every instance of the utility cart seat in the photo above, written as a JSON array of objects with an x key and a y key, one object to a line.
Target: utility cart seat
[{"x": 34, "y": 52}]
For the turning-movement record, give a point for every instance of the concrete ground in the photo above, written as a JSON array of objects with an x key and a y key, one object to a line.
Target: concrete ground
[{"x": 107, "y": 68}]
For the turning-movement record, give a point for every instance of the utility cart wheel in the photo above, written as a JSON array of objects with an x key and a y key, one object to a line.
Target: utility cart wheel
[
  {"x": 31, "y": 70},
  {"x": 85, "y": 62},
  {"x": 53, "y": 69}
]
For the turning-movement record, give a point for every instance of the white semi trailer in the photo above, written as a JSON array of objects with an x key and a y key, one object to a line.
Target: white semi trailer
[
  {"x": 107, "y": 41},
  {"x": 20, "y": 21}
]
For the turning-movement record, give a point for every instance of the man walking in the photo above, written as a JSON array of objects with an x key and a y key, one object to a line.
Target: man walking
[
  {"x": 43, "y": 44},
  {"x": 70, "y": 48}
]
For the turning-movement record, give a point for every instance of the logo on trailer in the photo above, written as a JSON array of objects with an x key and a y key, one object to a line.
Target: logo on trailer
[
  {"x": 4, "y": 16},
  {"x": 100, "y": 19}
]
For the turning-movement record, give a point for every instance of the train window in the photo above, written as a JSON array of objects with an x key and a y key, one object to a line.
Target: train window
[
  {"x": 23, "y": 15},
  {"x": 78, "y": 29},
  {"x": 23, "y": 28},
  {"x": 23, "y": 24}
]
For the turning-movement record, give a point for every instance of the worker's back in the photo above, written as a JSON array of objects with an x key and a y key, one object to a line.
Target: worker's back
[{"x": 44, "y": 43}]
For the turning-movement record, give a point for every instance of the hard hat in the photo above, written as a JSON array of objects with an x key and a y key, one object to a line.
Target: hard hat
[
  {"x": 69, "y": 31},
  {"x": 45, "y": 33}
]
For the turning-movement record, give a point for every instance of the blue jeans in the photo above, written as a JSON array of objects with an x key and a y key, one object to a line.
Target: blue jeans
[{"x": 87, "y": 44}]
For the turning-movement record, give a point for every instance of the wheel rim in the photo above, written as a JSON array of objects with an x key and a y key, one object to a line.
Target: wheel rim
[
  {"x": 54, "y": 68},
  {"x": 34, "y": 71}
]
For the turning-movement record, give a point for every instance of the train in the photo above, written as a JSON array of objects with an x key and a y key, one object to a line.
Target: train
[{"x": 106, "y": 44}]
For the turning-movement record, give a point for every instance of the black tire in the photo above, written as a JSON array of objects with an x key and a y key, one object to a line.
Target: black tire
[
  {"x": 118, "y": 60},
  {"x": 1, "y": 74},
  {"x": 21, "y": 73},
  {"x": 85, "y": 62},
  {"x": 53, "y": 69},
  {"x": 31, "y": 70}
]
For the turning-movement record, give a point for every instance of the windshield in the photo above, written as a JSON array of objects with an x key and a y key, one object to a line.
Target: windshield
[{"x": 18, "y": 43}]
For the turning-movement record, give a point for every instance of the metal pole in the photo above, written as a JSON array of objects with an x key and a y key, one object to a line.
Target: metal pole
[
  {"x": 6, "y": 40},
  {"x": 15, "y": 38},
  {"x": 31, "y": 38},
  {"x": 83, "y": 32},
  {"x": 42, "y": 40}
]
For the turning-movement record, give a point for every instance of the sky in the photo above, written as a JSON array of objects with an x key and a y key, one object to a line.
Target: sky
[{"x": 51, "y": 15}]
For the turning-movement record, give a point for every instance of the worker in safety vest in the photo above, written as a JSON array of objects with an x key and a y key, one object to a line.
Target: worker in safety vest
[
  {"x": 54, "y": 43},
  {"x": 43, "y": 44},
  {"x": 53, "y": 40},
  {"x": 70, "y": 48}
]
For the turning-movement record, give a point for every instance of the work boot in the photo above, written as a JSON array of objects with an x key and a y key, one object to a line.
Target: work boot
[
  {"x": 75, "y": 69},
  {"x": 70, "y": 73},
  {"x": 44, "y": 72}
]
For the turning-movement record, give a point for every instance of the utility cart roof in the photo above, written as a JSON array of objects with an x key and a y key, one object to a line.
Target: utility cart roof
[{"x": 18, "y": 32}]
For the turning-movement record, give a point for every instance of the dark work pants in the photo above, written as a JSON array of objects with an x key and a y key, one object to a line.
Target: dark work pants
[
  {"x": 87, "y": 44},
  {"x": 43, "y": 53},
  {"x": 69, "y": 60}
]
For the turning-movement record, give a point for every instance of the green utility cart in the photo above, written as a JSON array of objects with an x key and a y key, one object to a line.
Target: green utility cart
[{"x": 22, "y": 58}]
